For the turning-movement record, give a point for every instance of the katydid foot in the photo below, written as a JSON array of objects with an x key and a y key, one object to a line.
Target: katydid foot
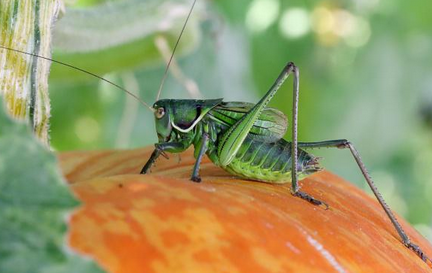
[
  {"x": 311, "y": 199},
  {"x": 419, "y": 252},
  {"x": 196, "y": 179}
]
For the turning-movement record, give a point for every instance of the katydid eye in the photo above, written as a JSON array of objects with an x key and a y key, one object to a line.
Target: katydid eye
[{"x": 160, "y": 112}]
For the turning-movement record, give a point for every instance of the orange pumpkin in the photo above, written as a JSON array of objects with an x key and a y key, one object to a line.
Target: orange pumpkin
[{"x": 162, "y": 222}]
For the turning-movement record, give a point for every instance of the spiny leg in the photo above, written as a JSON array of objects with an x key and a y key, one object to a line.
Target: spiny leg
[
  {"x": 160, "y": 148},
  {"x": 156, "y": 153},
  {"x": 233, "y": 138},
  {"x": 195, "y": 172},
  {"x": 343, "y": 143},
  {"x": 295, "y": 189}
]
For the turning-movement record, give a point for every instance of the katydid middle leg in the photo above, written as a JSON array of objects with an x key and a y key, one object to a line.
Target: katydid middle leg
[
  {"x": 232, "y": 140},
  {"x": 295, "y": 189},
  {"x": 202, "y": 150}
]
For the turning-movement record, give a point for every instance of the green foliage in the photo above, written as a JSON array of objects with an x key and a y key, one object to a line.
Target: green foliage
[
  {"x": 34, "y": 200},
  {"x": 120, "y": 35}
]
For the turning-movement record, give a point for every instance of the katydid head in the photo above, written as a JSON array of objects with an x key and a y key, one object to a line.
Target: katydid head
[
  {"x": 173, "y": 117},
  {"x": 176, "y": 117}
]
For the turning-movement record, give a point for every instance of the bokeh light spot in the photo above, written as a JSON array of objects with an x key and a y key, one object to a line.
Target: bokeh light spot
[
  {"x": 322, "y": 20},
  {"x": 360, "y": 34},
  {"x": 345, "y": 23},
  {"x": 262, "y": 14},
  {"x": 335, "y": 25},
  {"x": 87, "y": 129},
  {"x": 294, "y": 23}
]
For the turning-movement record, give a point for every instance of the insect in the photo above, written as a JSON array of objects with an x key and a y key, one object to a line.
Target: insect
[{"x": 246, "y": 139}]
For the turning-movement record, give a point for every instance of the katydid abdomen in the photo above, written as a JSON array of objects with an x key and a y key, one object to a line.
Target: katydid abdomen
[
  {"x": 270, "y": 162},
  {"x": 264, "y": 155}
]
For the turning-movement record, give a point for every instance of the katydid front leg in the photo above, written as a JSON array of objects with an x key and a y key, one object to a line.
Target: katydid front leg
[
  {"x": 160, "y": 148},
  {"x": 174, "y": 147}
]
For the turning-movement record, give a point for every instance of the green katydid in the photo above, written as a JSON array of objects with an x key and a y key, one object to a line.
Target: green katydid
[{"x": 245, "y": 139}]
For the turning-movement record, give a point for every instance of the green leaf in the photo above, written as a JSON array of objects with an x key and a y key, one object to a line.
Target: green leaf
[
  {"x": 121, "y": 35},
  {"x": 34, "y": 200}
]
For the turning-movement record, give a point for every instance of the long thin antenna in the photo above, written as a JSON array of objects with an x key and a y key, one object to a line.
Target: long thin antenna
[
  {"x": 174, "y": 50},
  {"x": 190, "y": 85},
  {"x": 82, "y": 70}
]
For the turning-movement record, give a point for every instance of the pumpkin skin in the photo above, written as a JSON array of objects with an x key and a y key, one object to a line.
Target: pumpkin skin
[{"x": 162, "y": 222}]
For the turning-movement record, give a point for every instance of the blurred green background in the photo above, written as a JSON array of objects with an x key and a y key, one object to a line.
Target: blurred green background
[{"x": 365, "y": 76}]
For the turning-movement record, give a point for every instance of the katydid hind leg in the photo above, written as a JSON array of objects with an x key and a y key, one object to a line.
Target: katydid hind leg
[
  {"x": 234, "y": 137},
  {"x": 295, "y": 189},
  {"x": 345, "y": 144},
  {"x": 202, "y": 150}
]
